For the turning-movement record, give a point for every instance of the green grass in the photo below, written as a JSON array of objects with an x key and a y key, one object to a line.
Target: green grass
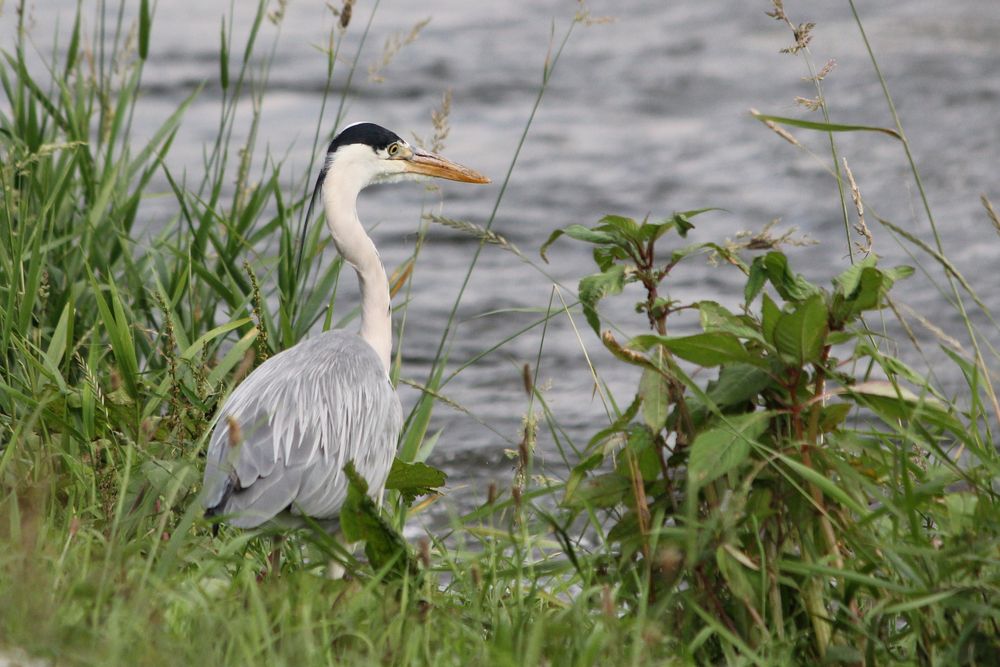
[{"x": 793, "y": 509}]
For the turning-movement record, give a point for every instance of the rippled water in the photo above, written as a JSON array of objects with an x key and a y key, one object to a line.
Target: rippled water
[{"x": 645, "y": 115}]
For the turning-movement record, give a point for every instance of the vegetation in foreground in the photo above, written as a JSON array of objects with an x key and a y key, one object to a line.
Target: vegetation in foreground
[{"x": 814, "y": 500}]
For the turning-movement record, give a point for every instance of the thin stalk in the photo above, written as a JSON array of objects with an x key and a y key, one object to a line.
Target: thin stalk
[
  {"x": 550, "y": 65},
  {"x": 331, "y": 64},
  {"x": 970, "y": 329}
]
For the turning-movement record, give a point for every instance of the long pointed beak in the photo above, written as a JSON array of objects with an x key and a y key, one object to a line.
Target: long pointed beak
[{"x": 429, "y": 164}]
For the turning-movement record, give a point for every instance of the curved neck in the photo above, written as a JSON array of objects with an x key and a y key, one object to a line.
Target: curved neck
[{"x": 340, "y": 197}]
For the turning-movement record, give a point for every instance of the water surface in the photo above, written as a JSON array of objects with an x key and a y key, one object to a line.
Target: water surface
[{"x": 643, "y": 116}]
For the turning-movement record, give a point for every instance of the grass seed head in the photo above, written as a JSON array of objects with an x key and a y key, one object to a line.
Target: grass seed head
[
  {"x": 235, "y": 432},
  {"x": 529, "y": 384},
  {"x": 345, "y": 14},
  {"x": 861, "y": 228},
  {"x": 991, "y": 212},
  {"x": 425, "y": 552},
  {"x": 608, "y": 602},
  {"x": 275, "y": 16}
]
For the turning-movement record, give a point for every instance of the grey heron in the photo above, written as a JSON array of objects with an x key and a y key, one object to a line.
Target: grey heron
[{"x": 285, "y": 433}]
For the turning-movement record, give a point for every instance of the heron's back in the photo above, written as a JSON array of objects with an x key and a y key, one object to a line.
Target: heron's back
[{"x": 299, "y": 418}]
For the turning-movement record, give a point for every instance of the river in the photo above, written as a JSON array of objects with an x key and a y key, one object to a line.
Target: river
[{"x": 644, "y": 115}]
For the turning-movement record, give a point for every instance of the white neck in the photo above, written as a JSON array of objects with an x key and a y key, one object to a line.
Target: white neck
[{"x": 340, "y": 197}]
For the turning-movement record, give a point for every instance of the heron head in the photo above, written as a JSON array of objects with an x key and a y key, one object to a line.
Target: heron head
[
  {"x": 373, "y": 154},
  {"x": 366, "y": 153}
]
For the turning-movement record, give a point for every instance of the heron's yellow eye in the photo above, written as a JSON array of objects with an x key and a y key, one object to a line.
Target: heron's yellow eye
[{"x": 393, "y": 149}]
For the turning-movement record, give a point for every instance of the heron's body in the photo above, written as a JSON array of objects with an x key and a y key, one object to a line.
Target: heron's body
[
  {"x": 302, "y": 415},
  {"x": 285, "y": 434}
]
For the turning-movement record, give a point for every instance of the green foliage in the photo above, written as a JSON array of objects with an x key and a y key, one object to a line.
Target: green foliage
[
  {"x": 414, "y": 479},
  {"x": 616, "y": 238},
  {"x": 717, "y": 450},
  {"x": 750, "y": 494},
  {"x": 361, "y": 521}
]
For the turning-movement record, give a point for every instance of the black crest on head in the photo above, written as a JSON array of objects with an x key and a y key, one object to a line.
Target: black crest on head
[{"x": 369, "y": 134}]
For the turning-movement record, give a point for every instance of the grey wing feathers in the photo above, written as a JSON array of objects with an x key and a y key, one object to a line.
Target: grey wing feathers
[{"x": 301, "y": 416}]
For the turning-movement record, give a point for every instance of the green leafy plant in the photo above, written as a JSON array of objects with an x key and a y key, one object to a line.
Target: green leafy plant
[{"x": 745, "y": 495}]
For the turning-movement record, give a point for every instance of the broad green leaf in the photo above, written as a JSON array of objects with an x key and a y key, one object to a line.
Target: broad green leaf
[
  {"x": 652, "y": 231},
  {"x": 884, "y": 389},
  {"x": 606, "y": 490},
  {"x": 893, "y": 402},
  {"x": 737, "y": 384},
  {"x": 801, "y": 334},
  {"x": 578, "y": 232},
  {"x": 755, "y": 281},
  {"x": 862, "y": 289},
  {"x": 595, "y": 287},
  {"x": 834, "y": 338},
  {"x": 714, "y": 317},
  {"x": 619, "y": 226},
  {"x": 705, "y": 349},
  {"x": 414, "y": 479},
  {"x": 655, "y": 398},
  {"x": 833, "y": 416},
  {"x": 770, "y": 313},
  {"x": 606, "y": 255},
  {"x": 871, "y": 285},
  {"x": 848, "y": 281},
  {"x": 683, "y": 222},
  {"x": 900, "y": 272},
  {"x": 791, "y": 286},
  {"x": 722, "y": 448},
  {"x": 642, "y": 445},
  {"x": 360, "y": 521}
]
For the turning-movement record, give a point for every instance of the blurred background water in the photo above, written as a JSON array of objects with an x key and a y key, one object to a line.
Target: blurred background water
[{"x": 645, "y": 115}]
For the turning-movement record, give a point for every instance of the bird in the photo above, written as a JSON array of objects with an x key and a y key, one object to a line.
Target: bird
[{"x": 282, "y": 438}]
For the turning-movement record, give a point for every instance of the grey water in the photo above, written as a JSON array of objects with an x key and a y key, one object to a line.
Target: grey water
[{"x": 644, "y": 115}]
